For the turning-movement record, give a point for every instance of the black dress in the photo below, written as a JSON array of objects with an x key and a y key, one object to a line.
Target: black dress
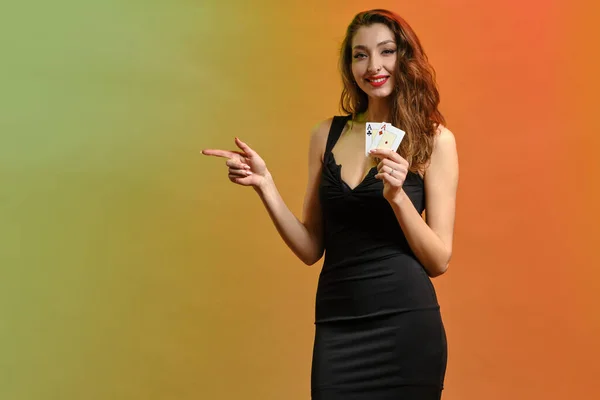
[{"x": 378, "y": 330}]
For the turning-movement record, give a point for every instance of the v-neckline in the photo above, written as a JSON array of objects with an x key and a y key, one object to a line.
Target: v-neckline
[
  {"x": 339, "y": 172},
  {"x": 339, "y": 166}
]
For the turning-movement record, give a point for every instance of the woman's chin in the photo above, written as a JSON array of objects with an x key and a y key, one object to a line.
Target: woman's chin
[{"x": 378, "y": 94}]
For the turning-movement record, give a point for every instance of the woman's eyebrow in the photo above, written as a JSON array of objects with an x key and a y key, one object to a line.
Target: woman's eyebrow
[{"x": 360, "y": 46}]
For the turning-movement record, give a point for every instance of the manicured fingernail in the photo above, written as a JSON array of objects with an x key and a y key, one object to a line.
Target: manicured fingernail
[{"x": 247, "y": 166}]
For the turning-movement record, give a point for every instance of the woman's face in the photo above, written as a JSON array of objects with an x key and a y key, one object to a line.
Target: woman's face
[{"x": 374, "y": 55}]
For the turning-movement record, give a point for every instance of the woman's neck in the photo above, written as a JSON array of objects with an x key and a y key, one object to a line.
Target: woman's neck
[{"x": 377, "y": 111}]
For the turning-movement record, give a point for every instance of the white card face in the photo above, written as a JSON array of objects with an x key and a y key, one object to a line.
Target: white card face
[
  {"x": 388, "y": 137},
  {"x": 371, "y": 130}
]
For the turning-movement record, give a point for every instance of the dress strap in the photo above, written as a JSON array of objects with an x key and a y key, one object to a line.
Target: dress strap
[{"x": 337, "y": 126}]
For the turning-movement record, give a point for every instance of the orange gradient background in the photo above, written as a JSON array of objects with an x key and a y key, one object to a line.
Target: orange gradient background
[{"x": 133, "y": 269}]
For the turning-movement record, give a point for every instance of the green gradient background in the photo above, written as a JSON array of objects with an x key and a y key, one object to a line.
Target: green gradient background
[{"x": 132, "y": 269}]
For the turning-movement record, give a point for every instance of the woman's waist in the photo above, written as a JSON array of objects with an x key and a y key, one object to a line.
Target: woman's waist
[
  {"x": 366, "y": 254},
  {"x": 364, "y": 251},
  {"x": 392, "y": 283}
]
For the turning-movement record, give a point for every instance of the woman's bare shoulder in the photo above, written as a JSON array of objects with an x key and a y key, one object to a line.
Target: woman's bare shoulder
[
  {"x": 321, "y": 128},
  {"x": 318, "y": 136},
  {"x": 443, "y": 136}
]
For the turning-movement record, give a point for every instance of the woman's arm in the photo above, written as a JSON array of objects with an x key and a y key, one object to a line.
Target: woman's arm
[
  {"x": 304, "y": 238},
  {"x": 247, "y": 168},
  {"x": 430, "y": 241}
]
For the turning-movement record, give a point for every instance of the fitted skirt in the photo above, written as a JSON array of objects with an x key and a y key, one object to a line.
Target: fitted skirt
[{"x": 400, "y": 356}]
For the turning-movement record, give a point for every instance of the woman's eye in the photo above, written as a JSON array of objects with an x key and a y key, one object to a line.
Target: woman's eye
[
  {"x": 389, "y": 51},
  {"x": 359, "y": 55}
]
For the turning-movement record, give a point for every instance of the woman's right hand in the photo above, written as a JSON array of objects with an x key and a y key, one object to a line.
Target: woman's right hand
[{"x": 246, "y": 167}]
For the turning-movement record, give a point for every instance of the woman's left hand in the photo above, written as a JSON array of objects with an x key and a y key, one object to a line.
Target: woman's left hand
[{"x": 392, "y": 170}]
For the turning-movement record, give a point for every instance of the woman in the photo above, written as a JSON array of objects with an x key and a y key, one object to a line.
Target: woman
[{"x": 379, "y": 333}]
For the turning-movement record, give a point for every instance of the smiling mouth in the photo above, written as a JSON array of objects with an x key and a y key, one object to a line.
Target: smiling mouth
[{"x": 378, "y": 80}]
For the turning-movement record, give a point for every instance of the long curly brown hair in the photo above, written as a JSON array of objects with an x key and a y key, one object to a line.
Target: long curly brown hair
[{"x": 415, "y": 99}]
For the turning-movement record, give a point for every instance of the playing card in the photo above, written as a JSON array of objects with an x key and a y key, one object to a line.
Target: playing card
[
  {"x": 371, "y": 130},
  {"x": 388, "y": 137}
]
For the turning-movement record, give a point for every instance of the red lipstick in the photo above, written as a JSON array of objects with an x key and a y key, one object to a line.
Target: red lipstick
[{"x": 381, "y": 80}]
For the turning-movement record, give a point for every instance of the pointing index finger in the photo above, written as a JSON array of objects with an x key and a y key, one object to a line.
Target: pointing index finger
[{"x": 219, "y": 153}]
